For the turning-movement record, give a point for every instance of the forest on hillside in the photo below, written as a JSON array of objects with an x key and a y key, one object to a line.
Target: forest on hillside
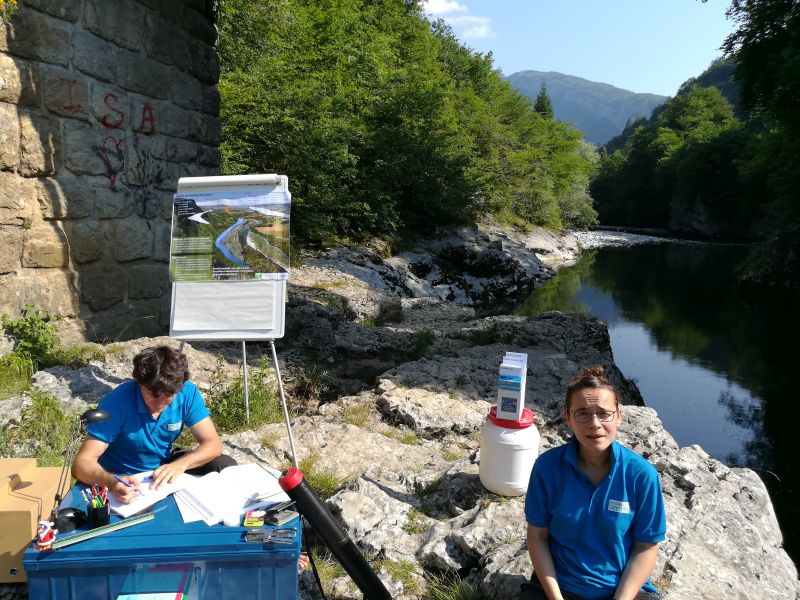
[
  {"x": 719, "y": 160},
  {"x": 386, "y": 125}
]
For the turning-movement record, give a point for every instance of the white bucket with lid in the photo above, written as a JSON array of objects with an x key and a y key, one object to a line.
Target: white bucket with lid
[{"x": 508, "y": 451}]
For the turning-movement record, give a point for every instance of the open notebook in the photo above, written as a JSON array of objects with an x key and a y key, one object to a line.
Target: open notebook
[
  {"x": 147, "y": 496},
  {"x": 231, "y": 492}
]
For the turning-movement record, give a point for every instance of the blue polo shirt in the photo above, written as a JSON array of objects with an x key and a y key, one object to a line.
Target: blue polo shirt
[
  {"x": 136, "y": 441},
  {"x": 592, "y": 528}
]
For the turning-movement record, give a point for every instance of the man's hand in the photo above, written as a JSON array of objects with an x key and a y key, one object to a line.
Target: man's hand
[
  {"x": 123, "y": 493},
  {"x": 167, "y": 473}
]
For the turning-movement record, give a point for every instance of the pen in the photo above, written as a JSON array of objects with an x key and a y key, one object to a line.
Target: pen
[{"x": 125, "y": 483}]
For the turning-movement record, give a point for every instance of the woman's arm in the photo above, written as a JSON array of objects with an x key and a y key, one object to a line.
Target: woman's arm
[
  {"x": 637, "y": 570},
  {"x": 209, "y": 447},
  {"x": 539, "y": 549}
]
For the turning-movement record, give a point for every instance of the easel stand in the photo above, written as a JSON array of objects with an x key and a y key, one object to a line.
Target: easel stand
[
  {"x": 283, "y": 400},
  {"x": 281, "y": 393}
]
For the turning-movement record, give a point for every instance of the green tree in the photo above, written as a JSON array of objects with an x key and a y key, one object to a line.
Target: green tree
[
  {"x": 385, "y": 123},
  {"x": 640, "y": 184},
  {"x": 543, "y": 106},
  {"x": 766, "y": 48}
]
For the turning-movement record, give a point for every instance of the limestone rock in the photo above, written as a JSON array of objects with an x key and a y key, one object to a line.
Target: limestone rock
[
  {"x": 49, "y": 289},
  {"x": 45, "y": 246},
  {"x": 9, "y": 135},
  {"x": 374, "y": 515},
  {"x": 431, "y": 413}
]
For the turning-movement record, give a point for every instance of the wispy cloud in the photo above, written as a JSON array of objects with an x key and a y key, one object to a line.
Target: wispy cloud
[
  {"x": 473, "y": 27},
  {"x": 468, "y": 26},
  {"x": 443, "y": 7}
]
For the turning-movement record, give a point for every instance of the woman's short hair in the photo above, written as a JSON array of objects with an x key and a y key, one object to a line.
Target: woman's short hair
[
  {"x": 161, "y": 369},
  {"x": 592, "y": 377}
]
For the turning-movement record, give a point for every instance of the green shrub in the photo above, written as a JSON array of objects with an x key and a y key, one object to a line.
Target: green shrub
[
  {"x": 35, "y": 335},
  {"x": 312, "y": 383},
  {"x": 43, "y": 431},
  {"x": 422, "y": 341},
  {"x": 227, "y": 404}
]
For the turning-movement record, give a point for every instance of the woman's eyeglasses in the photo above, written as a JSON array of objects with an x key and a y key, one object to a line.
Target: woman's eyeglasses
[{"x": 584, "y": 416}]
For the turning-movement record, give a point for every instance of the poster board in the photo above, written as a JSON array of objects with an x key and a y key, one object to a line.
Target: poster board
[{"x": 221, "y": 288}]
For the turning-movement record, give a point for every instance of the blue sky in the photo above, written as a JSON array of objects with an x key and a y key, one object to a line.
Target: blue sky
[{"x": 639, "y": 45}]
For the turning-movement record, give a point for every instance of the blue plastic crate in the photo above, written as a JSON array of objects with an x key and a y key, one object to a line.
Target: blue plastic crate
[{"x": 166, "y": 555}]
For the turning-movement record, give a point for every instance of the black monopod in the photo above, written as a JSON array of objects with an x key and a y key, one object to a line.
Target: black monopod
[{"x": 335, "y": 538}]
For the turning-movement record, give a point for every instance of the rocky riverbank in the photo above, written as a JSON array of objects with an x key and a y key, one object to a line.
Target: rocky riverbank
[{"x": 392, "y": 363}]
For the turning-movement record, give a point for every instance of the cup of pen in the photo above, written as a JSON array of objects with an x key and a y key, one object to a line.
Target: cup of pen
[{"x": 98, "y": 510}]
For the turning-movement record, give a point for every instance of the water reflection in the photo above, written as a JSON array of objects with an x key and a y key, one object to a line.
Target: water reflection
[{"x": 720, "y": 373}]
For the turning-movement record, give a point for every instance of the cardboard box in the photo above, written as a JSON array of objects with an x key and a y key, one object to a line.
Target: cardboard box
[{"x": 27, "y": 494}]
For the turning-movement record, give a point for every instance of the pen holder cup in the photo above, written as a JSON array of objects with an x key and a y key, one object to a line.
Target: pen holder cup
[{"x": 98, "y": 516}]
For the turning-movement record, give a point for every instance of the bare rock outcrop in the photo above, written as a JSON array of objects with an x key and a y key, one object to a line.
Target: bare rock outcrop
[{"x": 412, "y": 377}]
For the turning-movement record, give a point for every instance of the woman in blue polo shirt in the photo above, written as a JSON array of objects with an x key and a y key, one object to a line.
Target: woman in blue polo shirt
[{"x": 594, "y": 508}]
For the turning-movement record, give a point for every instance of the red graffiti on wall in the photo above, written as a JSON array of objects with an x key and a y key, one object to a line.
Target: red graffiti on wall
[
  {"x": 112, "y": 121},
  {"x": 148, "y": 122},
  {"x": 110, "y": 151},
  {"x": 70, "y": 85}
]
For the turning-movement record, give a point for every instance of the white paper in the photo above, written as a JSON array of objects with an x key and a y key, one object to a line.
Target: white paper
[
  {"x": 215, "y": 306},
  {"x": 234, "y": 490},
  {"x": 147, "y": 496}
]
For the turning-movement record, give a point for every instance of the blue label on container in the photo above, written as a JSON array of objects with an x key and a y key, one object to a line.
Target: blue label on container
[
  {"x": 508, "y": 404},
  {"x": 509, "y": 386}
]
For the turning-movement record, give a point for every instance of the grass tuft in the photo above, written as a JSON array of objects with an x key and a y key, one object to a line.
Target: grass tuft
[
  {"x": 333, "y": 284},
  {"x": 357, "y": 414},
  {"x": 450, "y": 455},
  {"x": 406, "y": 572},
  {"x": 416, "y": 522},
  {"x": 15, "y": 374},
  {"x": 451, "y": 587},
  {"x": 324, "y": 483}
]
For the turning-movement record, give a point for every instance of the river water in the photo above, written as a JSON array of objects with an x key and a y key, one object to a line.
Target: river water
[{"x": 719, "y": 372}]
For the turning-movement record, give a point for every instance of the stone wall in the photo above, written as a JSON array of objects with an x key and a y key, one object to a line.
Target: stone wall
[{"x": 104, "y": 104}]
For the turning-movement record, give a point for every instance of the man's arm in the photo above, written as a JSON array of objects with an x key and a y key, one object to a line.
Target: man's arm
[
  {"x": 209, "y": 447},
  {"x": 85, "y": 468},
  {"x": 539, "y": 549},
  {"x": 637, "y": 570}
]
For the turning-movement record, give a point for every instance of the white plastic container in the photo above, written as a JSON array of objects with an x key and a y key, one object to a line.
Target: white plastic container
[{"x": 508, "y": 451}]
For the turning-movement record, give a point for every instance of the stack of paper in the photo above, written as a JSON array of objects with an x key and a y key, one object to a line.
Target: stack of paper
[{"x": 231, "y": 492}]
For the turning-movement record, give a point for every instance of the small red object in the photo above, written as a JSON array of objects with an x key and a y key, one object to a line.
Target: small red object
[
  {"x": 290, "y": 479},
  {"x": 526, "y": 421}
]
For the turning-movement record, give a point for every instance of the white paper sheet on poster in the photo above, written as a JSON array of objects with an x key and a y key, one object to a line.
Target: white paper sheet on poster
[{"x": 241, "y": 305}]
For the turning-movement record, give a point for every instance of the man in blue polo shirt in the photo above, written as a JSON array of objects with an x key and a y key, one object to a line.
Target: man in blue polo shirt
[
  {"x": 146, "y": 417},
  {"x": 594, "y": 508}
]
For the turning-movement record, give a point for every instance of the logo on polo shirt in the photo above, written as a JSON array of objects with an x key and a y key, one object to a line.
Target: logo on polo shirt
[
  {"x": 174, "y": 426},
  {"x": 619, "y": 506}
]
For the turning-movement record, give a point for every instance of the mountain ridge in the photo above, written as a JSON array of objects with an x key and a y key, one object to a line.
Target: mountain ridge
[{"x": 599, "y": 110}]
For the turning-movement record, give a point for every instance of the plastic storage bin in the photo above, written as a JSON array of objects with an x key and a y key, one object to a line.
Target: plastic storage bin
[
  {"x": 508, "y": 451},
  {"x": 189, "y": 560}
]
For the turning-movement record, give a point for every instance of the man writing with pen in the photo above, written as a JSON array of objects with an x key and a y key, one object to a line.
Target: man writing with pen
[{"x": 147, "y": 416}]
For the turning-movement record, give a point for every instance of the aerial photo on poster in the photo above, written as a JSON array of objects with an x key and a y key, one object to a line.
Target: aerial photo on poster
[{"x": 227, "y": 235}]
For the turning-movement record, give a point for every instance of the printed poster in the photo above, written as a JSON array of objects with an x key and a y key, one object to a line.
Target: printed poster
[{"x": 223, "y": 235}]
